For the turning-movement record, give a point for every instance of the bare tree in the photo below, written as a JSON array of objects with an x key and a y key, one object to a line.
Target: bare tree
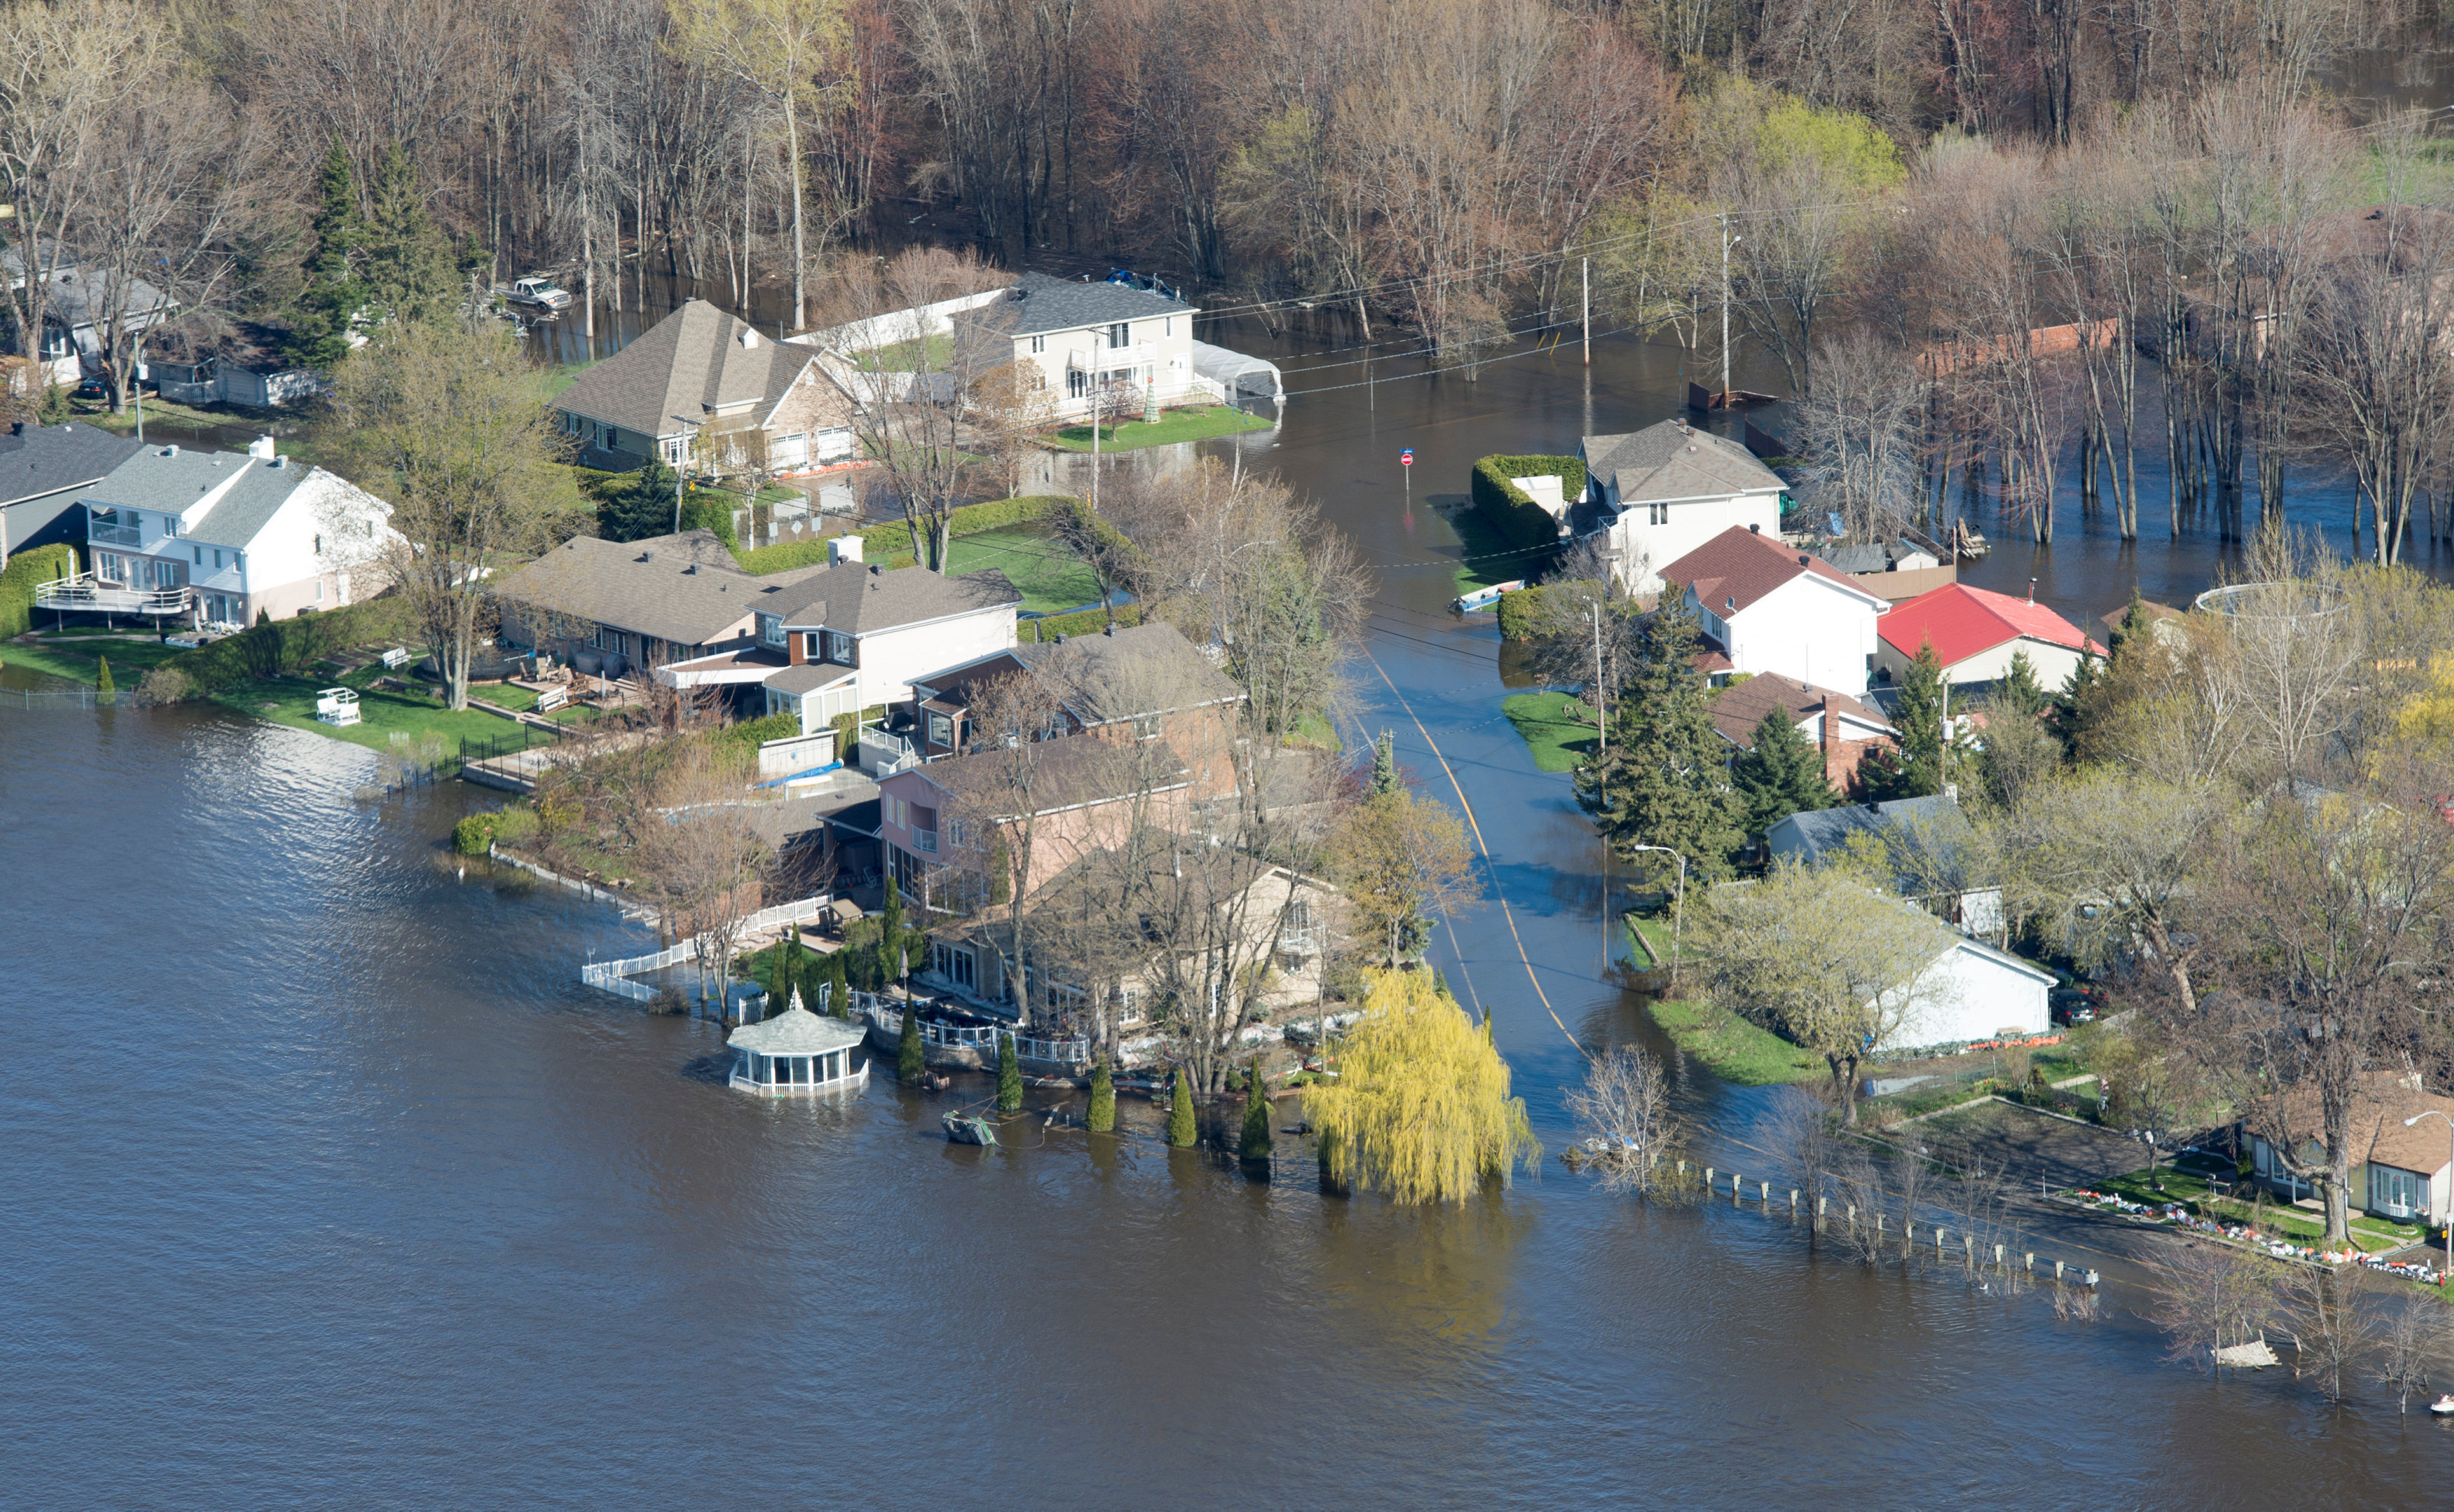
[
  {"x": 2413, "y": 1330},
  {"x": 2332, "y": 1329},
  {"x": 1623, "y": 1109},
  {"x": 1859, "y": 433},
  {"x": 2209, "y": 1298}
]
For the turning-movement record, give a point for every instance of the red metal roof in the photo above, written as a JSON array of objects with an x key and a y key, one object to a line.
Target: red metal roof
[{"x": 1961, "y": 622}]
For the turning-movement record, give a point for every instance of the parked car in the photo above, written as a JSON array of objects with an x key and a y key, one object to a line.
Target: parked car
[{"x": 2075, "y": 1005}]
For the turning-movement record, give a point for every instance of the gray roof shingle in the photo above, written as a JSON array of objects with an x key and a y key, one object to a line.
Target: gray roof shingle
[
  {"x": 1144, "y": 669},
  {"x": 1673, "y": 460},
  {"x": 1037, "y": 304},
  {"x": 38, "y": 460},
  {"x": 673, "y": 587},
  {"x": 851, "y": 598},
  {"x": 687, "y": 364},
  {"x": 237, "y": 517},
  {"x": 167, "y": 479}
]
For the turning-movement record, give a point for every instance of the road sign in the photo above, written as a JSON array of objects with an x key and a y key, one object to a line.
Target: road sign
[{"x": 1406, "y": 458}]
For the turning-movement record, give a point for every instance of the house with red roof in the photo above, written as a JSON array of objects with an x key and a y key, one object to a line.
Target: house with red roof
[
  {"x": 1975, "y": 633},
  {"x": 1772, "y": 609}
]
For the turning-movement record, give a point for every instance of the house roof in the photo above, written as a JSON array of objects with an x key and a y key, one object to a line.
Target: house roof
[
  {"x": 1739, "y": 707},
  {"x": 2000, "y": 958},
  {"x": 670, "y": 587},
  {"x": 239, "y": 516},
  {"x": 38, "y": 460},
  {"x": 2109, "y": 623},
  {"x": 168, "y": 479},
  {"x": 860, "y": 599},
  {"x": 808, "y": 677},
  {"x": 74, "y": 291},
  {"x": 1961, "y": 622},
  {"x": 796, "y": 1031},
  {"x": 687, "y": 364},
  {"x": 1822, "y": 833},
  {"x": 1673, "y": 460},
  {"x": 2380, "y": 1104},
  {"x": 1141, "y": 669},
  {"x": 1071, "y": 772},
  {"x": 1734, "y": 569},
  {"x": 1036, "y": 303}
]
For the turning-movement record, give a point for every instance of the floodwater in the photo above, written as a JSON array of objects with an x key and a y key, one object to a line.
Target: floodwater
[{"x": 328, "y": 1182}]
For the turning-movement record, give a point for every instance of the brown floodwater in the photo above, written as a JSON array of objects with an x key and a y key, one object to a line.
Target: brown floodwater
[{"x": 328, "y": 1182}]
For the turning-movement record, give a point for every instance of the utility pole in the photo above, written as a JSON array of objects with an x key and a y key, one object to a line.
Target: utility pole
[
  {"x": 1725, "y": 308},
  {"x": 1585, "y": 280},
  {"x": 1601, "y": 689}
]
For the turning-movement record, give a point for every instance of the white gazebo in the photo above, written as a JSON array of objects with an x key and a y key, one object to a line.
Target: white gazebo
[{"x": 797, "y": 1051}]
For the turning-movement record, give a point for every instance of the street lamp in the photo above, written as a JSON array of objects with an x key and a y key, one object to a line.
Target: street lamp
[
  {"x": 1678, "y": 911},
  {"x": 2449, "y": 1217}
]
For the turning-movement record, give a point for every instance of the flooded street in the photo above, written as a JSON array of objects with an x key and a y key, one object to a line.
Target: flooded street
[{"x": 330, "y": 1182}]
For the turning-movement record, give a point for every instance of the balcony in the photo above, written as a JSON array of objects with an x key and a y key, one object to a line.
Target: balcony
[
  {"x": 113, "y": 534},
  {"x": 86, "y": 594}
]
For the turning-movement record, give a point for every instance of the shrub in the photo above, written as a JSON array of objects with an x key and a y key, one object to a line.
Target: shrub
[
  {"x": 1509, "y": 509},
  {"x": 909, "y": 1060},
  {"x": 162, "y": 685},
  {"x": 1081, "y": 622},
  {"x": 476, "y": 834},
  {"x": 102, "y": 682},
  {"x": 1103, "y": 1098},
  {"x": 270, "y": 650},
  {"x": 890, "y": 543},
  {"x": 1009, "y": 1076},
  {"x": 749, "y": 734},
  {"x": 1181, "y": 1130},
  {"x": 1521, "y": 610},
  {"x": 1255, "y": 1144},
  {"x": 27, "y": 571}
]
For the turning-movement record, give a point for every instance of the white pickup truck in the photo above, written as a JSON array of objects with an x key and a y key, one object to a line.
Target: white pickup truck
[{"x": 539, "y": 294}]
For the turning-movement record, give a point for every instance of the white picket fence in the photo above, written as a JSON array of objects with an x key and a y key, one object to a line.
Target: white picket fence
[{"x": 613, "y": 976}]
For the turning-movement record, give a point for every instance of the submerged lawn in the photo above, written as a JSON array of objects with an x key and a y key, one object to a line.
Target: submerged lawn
[
  {"x": 1560, "y": 741},
  {"x": 1489, "y": 560},
  {"x": 1731, "y": 1047},
  {"x": 1173, "y": 426},
  {"x": 78, "y": 657}
]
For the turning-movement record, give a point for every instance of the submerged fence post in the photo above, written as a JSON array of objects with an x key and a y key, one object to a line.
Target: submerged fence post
[
  {"x": 1708, "y": 1178},
  {"x": 1767, "y": 1192},
  {"x": 2058, "y": 1270},
  {"x": 1793, "y": 1200},
  {"x": 1997, "y": 1258}
]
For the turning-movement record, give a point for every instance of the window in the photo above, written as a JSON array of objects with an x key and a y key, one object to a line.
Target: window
[
  {"x": 956, "y": 963},
  {"x": 771, "y": 629},
  {"x": 941, "y": 731},
  {"x": 810, "y": 647},
  {"x": 217, "y": 557},
  {"x": 1659, "y": 513},
  {"x": 896, "y": 811},
  {"x": 200, "y": 562},
  {"x": 319, "y": 590},
  {"x": 1078, "y": 383},
  {"x": 319, "y": 544},
  {"x": 1167, "y": 327},
  {"x": 958, "y": 834},
  {"x": 1039, "y": 343},
  {"x": 2397, "y": 1191},
  {"x": 170, "y": 529},
  {"x": 1146, "y": 726},
  {"x": 1119, "y": 334},
  {"x": 840, "y": 647}
]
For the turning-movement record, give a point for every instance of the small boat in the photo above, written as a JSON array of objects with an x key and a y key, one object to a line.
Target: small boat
[
  {"x": 969, "y": 1130},
  {"x": 2442, "y": 1406}
]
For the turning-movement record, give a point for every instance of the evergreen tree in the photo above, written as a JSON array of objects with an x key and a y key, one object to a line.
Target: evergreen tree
[
  {"x": 102, "y": 682},
  {"x": 319, "y": 329},
  {"x": 781, "y": 981},
  {"x": 1915, "y": 770},
  {"x": 639, "y": 508},
  {"x": 407, "y": 264},
  {"x": 1664, "y": 781},
  {"x": 1780, "y": 776},
  {"x": 1103, "y": 1098},
  {"x": 1181, "y": 1130},
  {"x": 1009, "y": 1076},
  {"x": 1255, "y": 1146},
  {"x": 2020, "y": 692},
  {"x": 909, "y": 1062},
  {"x": 1384, "y": 766},
  {"x": 839, "y": 986}
]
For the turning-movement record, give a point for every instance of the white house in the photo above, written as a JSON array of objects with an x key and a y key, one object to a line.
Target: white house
[
  {"x": 220, "y": 538},
  {"x": 856, "y": 634},
  {"x": 1774, "y": 608},
  {"x": 1133, "y": 342},
  {"x": 1669, "y": 488},
  {"x": 1971, "y": 992},
  {"x": 1975, "y": 632}
]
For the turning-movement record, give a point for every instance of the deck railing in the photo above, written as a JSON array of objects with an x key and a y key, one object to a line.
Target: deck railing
[
  {"x": 982, "y": 1037},
  {"x": 87, "y": 593},
  {"x": 613, "y": 975}
]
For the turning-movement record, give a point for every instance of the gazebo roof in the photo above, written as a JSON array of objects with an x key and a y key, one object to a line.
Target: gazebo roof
[{"x": 795, "y": 1031}]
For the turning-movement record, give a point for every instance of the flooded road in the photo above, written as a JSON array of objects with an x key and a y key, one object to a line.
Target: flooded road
[{"x": 328, "y": 1182}]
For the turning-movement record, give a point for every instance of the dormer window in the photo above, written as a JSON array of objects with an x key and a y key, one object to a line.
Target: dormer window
[
  {"x": 840, "y": 647},
  {"x": 771, "y": 630}
]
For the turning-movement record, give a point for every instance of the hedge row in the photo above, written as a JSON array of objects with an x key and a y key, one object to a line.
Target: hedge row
[
  {"x": 294, "y": 644},
  {"x": 1081, "y": 622},
  {"x": 890, "y": 544},
  {"x": 750, "y": 734},
  {"x": 1521, "y": 610},
  {"x": 27, "y": 569},
  {"x": 476, "y": 834},
  {"x": 1510, "y": 511}
]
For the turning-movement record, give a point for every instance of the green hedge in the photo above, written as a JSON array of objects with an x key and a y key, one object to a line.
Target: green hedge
[
  {"x": 475, "y": 834},
  {"x": 288, "y": 646},
  {"x": 751, "y": 733},
  {"x": 27, "y": 569},
  {"x": 1510, "y": 509},
  {"x": 890, "y": 544},
  {"x": 1521, "y": 610},
  {"x": 1081, "y": 622}
]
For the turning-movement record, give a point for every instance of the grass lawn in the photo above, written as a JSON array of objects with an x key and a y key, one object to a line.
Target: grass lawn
[
  {"x": 1732, "y": 1048},
  {"x": 1560, "y": 741},
  {"x": 1051, "y": 578},
  {"x": 2292, "y": 1225},
  {"x": 1173, "y": 425},
  {"x": 380, "y": 715},
  {"x": 904, "y": 355},
  {"x": 563, "y": 375},
  {"x": 1489, "y": 558},
  {"x": 1660, "y": 934},
  {"x": 77, "y": 657}
]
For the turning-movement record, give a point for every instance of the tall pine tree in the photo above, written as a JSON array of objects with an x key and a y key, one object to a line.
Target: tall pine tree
[
  {"x": 1255, "y": 1143},
  {"x": 1181, "y": 1129},
  {"x": 1781, "y": 775},
  {"x": 910, "y": 1061},
  {"x": 1664, "y": 780},
  {"x": 1009, "y": 1076},
  {"x": 1384, "y": 766},
  {"x": 1914, "y": 769},
  {"x": 407, "y": 264},
  {"x": 319, "y": 326},
  {"x": 1103, "y": 1098}
]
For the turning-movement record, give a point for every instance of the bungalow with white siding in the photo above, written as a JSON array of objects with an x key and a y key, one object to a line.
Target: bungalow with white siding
[
  {"x": 1770, "y": 607},
  {"x": 1975, "y": 632},
  {"x": 2401, "y": 1170}
]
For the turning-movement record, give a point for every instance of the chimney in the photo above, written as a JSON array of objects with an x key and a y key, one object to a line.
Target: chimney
[
  {"x": 171, "y": 450},
  {"x": 1060, "y": 637},
  {"x": 1110, "y": 631},
  {"x": 841, "y": 548},
  {"x": 876, "y": 569},
  {"x": 261, "y": 448},
  {"x": 1755, "y": 530},
  {"x": 2032, "y": 590},
  {"x": 1831, "y": 742},
  {"x": 16, "y": 428},
  {"x": 749, "y": 337}
]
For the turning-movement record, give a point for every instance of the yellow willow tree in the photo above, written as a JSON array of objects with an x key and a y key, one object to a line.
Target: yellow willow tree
[{"x": 1420, "y": 1107}]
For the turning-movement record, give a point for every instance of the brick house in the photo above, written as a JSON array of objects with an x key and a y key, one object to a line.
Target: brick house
[{"x": 1839, "y": 725}]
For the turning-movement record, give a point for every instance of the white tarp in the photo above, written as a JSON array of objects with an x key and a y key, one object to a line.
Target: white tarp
[{"x": 1235, "y": 372}]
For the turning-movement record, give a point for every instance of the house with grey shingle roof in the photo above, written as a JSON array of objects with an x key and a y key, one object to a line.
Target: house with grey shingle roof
[
  {"x": 220, "y": 538},
  {"x": 1136, "y": 344},
  {"x": 1670, "y": 488},
  {"x": 41, "y": 470},
  {"x": 705, "y": 386}
]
